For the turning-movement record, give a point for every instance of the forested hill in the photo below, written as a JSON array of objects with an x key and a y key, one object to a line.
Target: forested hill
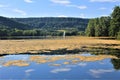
[
  {"x": 42, "y": 26},
  {"x": 54, "y": 23},
  {"x": 49, "y": 23},
  {"x": 8, "y": 23}
]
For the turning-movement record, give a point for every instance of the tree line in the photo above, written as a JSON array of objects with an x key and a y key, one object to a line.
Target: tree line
[
  {"x": 6, "y": 32},
  {"x": 105, "y": 26},
  {"x": 48, "y": 26}
]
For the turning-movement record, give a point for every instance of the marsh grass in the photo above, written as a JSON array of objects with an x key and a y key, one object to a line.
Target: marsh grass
[{"x": 57, "y": 46}]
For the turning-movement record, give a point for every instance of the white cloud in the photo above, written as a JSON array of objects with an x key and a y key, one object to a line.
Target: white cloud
[
  {"x": 64, "y": 2},
  {"x": 67, "y": 3},
  {"x": 82, "y": 15},
  {"x": 71, "y": 5},
  {"x": 82, "y": 7},
  {"x": 62, "y": 16},
  {"x": 96, "y": 72},
  {"x": 3, "y": 6},
  {"x": 60, "y": 70},
  {"x": 103, "y": 8},
  {"x": 28, "y": 1},
  {"x": 76, "y": 6},
  {"x": 104, "y": 0},
  {"x": 20, "y": 12}
]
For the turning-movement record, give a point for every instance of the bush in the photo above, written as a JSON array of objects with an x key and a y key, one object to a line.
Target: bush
[{"x": 118, "y": 35}]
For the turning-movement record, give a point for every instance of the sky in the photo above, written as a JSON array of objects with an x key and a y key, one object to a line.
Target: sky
[{"x": 57, "y": 8}]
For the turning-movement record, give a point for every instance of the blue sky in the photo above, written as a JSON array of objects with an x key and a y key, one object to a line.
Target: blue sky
[{"x": 57, "y": 8}]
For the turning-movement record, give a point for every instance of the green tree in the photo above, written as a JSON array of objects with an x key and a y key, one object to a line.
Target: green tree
[
  {"x": 98, "y": 28},
  {"x": 4, "y": 32},
  {"x": 104, "y": 23},
  {"x": 118, "y": 35},
  {"x": 16, "y": 32},
  {"x": 29, "y": 32},
  {"x": 115, "y": 22},
  {"x": 90, "y": 30}
]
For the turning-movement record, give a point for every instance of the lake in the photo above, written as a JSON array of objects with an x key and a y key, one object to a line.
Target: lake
[{"x": 59, "y": 67}]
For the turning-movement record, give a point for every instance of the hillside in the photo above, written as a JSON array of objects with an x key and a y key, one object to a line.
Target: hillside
[
  {"x": 48, "y": 26},
  {"x": 54, "y": 23},
  {"x": 49, "y": 23},
  {"x": 8, "y": 23}
]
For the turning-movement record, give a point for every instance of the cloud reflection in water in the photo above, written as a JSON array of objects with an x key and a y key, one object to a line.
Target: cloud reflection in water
[
  {"x": 97, "y": 72},
  {"x": 60, "y": 70}
]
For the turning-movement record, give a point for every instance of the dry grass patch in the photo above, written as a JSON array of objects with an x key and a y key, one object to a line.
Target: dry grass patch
[
  {"x": 16, "y": 63},
  {"x": 35, "y": 46}
]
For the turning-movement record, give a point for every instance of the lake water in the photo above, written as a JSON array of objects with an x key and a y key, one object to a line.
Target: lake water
[{"x": 59, "y": 68}]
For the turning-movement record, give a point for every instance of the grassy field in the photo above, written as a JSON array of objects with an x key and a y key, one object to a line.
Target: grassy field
[{"x": 45, "y": 45}]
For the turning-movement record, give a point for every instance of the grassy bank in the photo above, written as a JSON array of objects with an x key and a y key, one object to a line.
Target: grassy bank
[{"x": 48, "y": 45}]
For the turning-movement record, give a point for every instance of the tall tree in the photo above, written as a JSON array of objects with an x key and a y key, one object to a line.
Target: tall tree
[
  {"x": 90, "y": 30},
  {"x": 115, "y": 22},
  {"x": 104, "y": 22},
  {"x": 98, "y": 28}
]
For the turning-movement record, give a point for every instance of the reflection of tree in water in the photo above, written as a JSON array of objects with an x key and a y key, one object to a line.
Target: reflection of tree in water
[
  {"x": 116, "y": 63},
  {"x": 114, "y": 52}
]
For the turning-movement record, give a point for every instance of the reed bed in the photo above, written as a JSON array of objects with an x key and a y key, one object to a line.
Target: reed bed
[{"x": 44, "y": 45}]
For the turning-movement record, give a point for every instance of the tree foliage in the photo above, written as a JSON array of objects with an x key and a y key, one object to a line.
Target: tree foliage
[
  {"x": 105, "y": 26},
  {"x": 90, "y": 31},
  {"x": 115, "y": 22},
  {"x": 54, "y": 23},
  {"x": 98, "y": 27},
  {"x": 118, "y": 35},
  {"x": 48, "y": 26}
]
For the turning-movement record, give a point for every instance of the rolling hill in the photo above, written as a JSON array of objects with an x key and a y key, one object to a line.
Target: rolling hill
[
  {"x": 9, "y": 23},
  {"x": 54, "y": 23},
  {"x": 51, "y": 26}
]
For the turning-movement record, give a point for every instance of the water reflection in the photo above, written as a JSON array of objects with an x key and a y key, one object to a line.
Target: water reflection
[
  {"x": 28, "y": 72},
  {"x": 23, "y": 60},
  {"x": 47, "y": 67},
  {"x": 60, "y": 70},
  {"x": 82, "y": 64},
  {"x": 97, "y": 72},
  {"x": 116, "y": 63}
]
